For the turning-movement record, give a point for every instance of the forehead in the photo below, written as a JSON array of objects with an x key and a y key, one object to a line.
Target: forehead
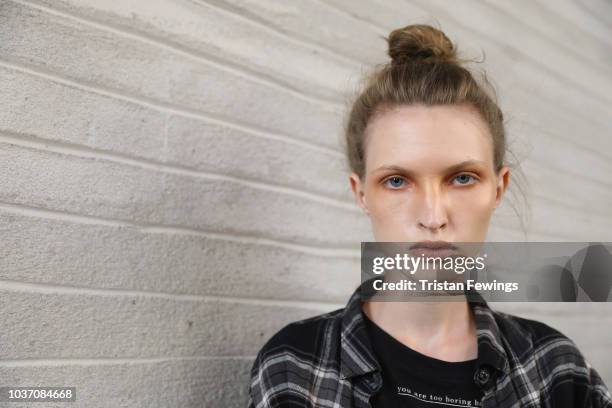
[{"x": 416, "y": 133}]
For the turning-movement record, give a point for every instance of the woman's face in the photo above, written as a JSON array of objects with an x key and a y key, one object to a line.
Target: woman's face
[{"x": 429, "y": 175}]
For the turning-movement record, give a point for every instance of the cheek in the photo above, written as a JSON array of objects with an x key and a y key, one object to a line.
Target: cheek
[
  {"x": 474, "y": 206},
  {"x": 389, "y": 206}
]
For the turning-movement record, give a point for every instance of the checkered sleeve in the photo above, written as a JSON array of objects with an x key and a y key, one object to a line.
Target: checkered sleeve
[
  {"x": 256, "y": 385},
  {"x": 600, "y": 394}
]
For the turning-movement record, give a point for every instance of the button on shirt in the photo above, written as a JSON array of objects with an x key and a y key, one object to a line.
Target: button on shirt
[
  {"x": 482, "y": 376},
  {"x": 328, "y": 361}
]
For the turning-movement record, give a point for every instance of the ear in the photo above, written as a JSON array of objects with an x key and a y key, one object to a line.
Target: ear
[
  {"x": 357, "y": 187},
  {"x": 503, "y": 179}
]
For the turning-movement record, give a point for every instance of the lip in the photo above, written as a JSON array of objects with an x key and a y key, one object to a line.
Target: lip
[
  {"x": 433, "y": 245},
  {"x": 440, "y": 249}
]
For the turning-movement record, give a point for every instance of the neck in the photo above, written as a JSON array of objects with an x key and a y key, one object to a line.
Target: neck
[{"x": 445, "y": 330}]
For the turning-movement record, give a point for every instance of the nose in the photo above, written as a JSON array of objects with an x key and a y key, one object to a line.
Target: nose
[{"x": 432, "y": 215}]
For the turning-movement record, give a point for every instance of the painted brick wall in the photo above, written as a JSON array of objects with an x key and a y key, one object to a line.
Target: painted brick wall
[{"x": 173, "y": 189}]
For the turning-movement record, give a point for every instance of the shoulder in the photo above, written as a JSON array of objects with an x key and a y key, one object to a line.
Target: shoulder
[
  {"x": 302, "y": 336},
  {"x": 553, "y": 361},
  {"x": 538, "y": 341},
  {"x": 298, "y": 355},
  {"x": 298, "y": 344},
  {"x": 539, "y": 333}
]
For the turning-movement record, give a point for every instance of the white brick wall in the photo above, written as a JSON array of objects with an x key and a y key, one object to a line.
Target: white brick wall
[{"x": 173, "y": 189}]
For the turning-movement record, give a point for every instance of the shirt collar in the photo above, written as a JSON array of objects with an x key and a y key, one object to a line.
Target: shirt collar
[{"x": 357, "y": 356}]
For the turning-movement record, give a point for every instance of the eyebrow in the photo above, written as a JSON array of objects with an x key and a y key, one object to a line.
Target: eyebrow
[{"x": 449, "y": 169}]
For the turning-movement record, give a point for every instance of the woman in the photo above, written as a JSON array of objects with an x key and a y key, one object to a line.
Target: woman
[{"x": 426, "y": 147}]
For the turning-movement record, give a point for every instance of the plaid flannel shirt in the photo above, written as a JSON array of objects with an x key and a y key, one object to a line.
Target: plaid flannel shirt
[{"x": 328, "y": 361}]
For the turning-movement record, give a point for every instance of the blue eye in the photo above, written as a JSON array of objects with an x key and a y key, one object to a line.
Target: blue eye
[
  {"x": 395, "y": 182},
  {"x": 464, "y": 179}
]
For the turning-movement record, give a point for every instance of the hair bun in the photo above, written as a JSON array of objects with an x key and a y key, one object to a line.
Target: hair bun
[{"x": 420, "y": 42}]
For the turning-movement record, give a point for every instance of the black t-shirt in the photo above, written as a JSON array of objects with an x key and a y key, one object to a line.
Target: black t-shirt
[{"x": 412, "y": 379}]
